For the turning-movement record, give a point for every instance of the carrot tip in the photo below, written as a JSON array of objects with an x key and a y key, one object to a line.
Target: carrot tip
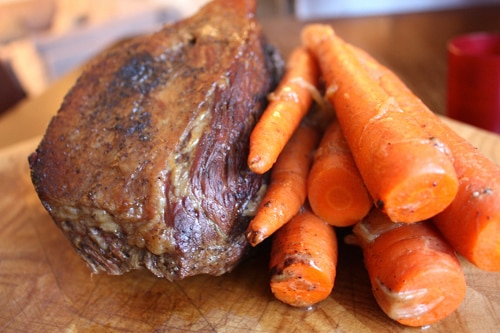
[
  {"x": 254, "y": 237},
  {"x": 259, "y": 164}
]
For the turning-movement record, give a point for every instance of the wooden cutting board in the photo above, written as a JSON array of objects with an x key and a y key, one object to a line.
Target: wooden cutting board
[{"x": 46, "y": 287}]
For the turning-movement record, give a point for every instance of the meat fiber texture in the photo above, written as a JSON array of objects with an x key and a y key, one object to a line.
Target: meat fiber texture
[{"x": 144, "y": 164}]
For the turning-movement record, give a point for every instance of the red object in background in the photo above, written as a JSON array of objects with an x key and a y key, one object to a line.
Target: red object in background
[{"x": 473, "y": 94}]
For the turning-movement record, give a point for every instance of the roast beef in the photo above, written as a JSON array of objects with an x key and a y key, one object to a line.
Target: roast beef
[{"x": 144, "y": 164}]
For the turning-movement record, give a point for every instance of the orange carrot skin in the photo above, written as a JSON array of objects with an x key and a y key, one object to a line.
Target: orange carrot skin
[
  {"x": 288, "y": 104},
  {"x": 303, "y": 260},
  {"x": 336, "y": 191},
  {"x": 415, "y": 274},
  {"x": 287, "y": 189},
  {"x": 471, "y": 223},
  {"x": 407, "y": 176}
]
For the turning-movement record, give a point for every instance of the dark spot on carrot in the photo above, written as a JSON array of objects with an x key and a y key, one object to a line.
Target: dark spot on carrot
[
  {"x": 289, "y": 261},
  {"x": 276, "y": 270}
]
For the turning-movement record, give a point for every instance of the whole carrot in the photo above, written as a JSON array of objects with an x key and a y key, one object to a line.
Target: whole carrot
[
  {"x": 336, "y": 191},
  {"x": 303, "y": 260},
  {"x": 288, "y": 104},
  {"x": 471, "y": 223},
  {"x": 409, "y": 178},
  {"x": 415, "y": 274},
  {"x": 287, "y": 189}
]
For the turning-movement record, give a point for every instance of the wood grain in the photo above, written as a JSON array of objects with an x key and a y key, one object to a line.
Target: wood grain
[{"x": 46, "y": 287}]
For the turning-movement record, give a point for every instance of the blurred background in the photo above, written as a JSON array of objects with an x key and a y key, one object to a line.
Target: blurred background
[{"x": 41, "y": 40}]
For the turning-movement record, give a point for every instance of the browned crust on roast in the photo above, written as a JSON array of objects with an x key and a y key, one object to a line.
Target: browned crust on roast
[{"x": 145, "y": 162}]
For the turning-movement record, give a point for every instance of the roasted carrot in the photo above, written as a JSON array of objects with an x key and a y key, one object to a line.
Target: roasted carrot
[
  {"x": 335, "y": 189},
  {"x": 303, "y": 260},
  {"x": 415, "y": 274},
  {"x": 471, "y": 223},
  {"x": 408, "y": 177},
  {"x": 288, "y": 104},
  {"x": 287, "y": 189}
]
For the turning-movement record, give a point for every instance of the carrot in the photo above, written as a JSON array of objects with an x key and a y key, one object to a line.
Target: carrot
[
  {"x": 303, "y": 260},
  {"x": 287, "y": 189},
  {"x": 289, "y": 103},
  {"x": 471, "y": 223},
  {"x": 336, "y": 191},
  {"x": 415, "y": 275},
  {"x": 408, "y": 177}
]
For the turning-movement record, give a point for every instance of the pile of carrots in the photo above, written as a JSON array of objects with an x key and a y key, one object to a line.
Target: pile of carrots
[{"x": 373, "y": 158}]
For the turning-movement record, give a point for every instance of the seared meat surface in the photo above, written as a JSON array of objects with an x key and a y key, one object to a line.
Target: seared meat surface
[{"x": 144, "y": 164}]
